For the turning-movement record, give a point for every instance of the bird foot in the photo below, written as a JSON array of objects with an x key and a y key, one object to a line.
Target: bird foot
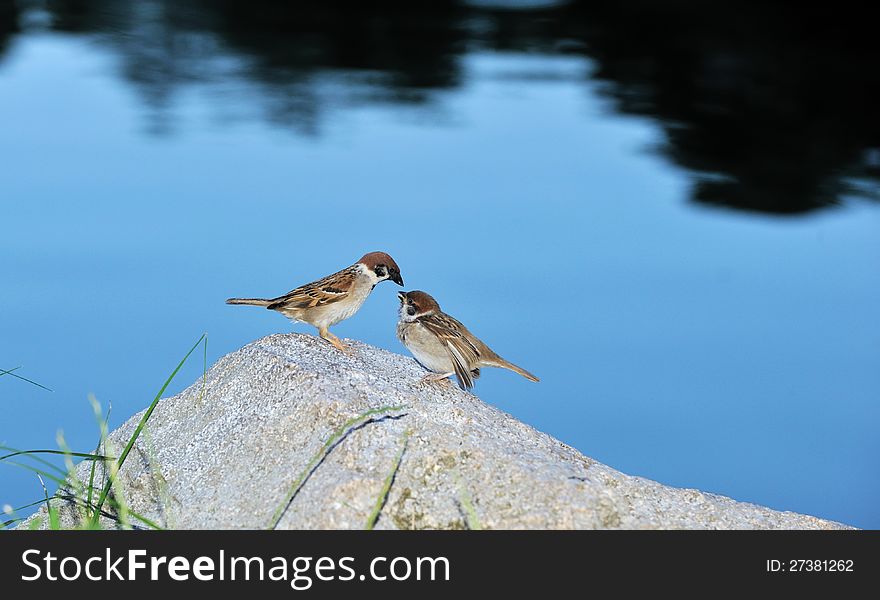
[
  {"x": 442, "y": 378},
  {"x": 337, "y": 343}
]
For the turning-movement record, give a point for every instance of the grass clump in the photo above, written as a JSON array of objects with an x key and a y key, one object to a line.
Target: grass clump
[{"x": 90, "y": 500}]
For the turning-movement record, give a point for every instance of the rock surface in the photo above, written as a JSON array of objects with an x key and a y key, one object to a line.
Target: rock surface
[{"x": 227, "y": 456}]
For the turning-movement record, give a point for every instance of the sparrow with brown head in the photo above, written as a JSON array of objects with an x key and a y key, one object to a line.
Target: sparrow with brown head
[
  {"x": 442, "y": 344},
  {"x": 334, "y": 298}
]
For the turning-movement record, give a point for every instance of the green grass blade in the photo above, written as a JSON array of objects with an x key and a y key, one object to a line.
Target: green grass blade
[
  {"x": 91, "y": 487},
  {"x": 40, "y": 472},
  {"x": 25, "y": 507},
  {"x": 145, "y": 520},
  {"x": 338, "y": 434},
  {"x": 73, "y": 480},
  {"x": 119, "y": 462},
  {"x": 17, "y": 376},
  {"x": 35, "y": 458},
  {"x": 30, "y": 505},
  {"x": 54, "y": 518},
  {"x": 386, "y": 486},
  {"x": 103, "y": 427},
  {"x": 33, "y": 469},
  {"x": 85, "y": 455}
]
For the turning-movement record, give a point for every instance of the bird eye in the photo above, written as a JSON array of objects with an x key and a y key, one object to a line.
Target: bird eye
[{"x": 411, "y": 310}]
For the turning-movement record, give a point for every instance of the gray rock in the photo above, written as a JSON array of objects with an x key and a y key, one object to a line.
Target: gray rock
[{"x": 227, "y": 453}]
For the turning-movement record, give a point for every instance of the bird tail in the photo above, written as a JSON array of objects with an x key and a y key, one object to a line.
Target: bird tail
[
  {"x": 252, "y": 301},
  {"x": 497, "y": 361}
]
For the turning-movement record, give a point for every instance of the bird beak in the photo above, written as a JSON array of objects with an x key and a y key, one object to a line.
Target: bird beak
[
  {"x": 396, "y": 278},
  {"x": 401, "y": 296}
]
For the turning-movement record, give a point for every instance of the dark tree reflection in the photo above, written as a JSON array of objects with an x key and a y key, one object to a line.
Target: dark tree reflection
[
  {"x": 774, "y": 105},
  {"x": 9, "y": 16},
  {"x": 770, "y": 107}
]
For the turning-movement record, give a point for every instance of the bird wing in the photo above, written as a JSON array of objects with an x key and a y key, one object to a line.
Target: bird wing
[
  {"x": 464, "y": 353},
  {"x": 328, "y": 290}
]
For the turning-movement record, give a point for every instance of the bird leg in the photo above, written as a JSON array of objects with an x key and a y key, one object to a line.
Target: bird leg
[
  {"x": 434, "y": 377},
  {"x": 324, "y": 333}
]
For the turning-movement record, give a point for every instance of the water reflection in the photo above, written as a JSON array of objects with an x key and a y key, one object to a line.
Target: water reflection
[
  {"x": 9, "y": 16},
  {"x": 769, "y": 112},
  {"x": 779, "y": 108}
]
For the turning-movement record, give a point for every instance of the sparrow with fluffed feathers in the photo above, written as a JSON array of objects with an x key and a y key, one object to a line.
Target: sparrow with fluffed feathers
[
  {"x": 334, "y": 298},
  {"x": 442, "y": 344}
]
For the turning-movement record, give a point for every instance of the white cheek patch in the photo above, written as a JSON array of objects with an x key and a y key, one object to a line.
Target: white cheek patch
[
  {"x": 405, "y": 316},
  {"x": 374, "y": 279}
]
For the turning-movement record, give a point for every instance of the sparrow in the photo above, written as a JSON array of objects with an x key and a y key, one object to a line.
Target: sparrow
[
  {"x": 442, "y": 344},
  {"x": 334, "y": 298}
]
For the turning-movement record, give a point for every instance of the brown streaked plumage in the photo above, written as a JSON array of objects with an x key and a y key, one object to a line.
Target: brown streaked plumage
[
  {"x": 442, "y": 344},
  {"x": 329, "y": 300}
]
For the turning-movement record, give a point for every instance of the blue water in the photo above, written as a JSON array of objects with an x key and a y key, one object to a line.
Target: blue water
[{"x": 702, "y": 346}]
